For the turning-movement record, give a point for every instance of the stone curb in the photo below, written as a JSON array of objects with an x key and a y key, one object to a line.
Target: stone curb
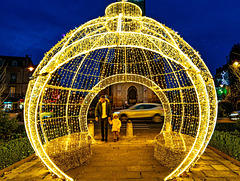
[
  {"x": 16, "y": 164},
  {"x": 233, "y": 160}
]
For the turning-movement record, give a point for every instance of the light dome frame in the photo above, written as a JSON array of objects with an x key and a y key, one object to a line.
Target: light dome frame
[{"x": 123, "y": 29}]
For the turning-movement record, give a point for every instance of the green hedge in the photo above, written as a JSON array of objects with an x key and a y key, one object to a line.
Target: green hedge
[
  {"x": 227, "y": 127},
  {"x": 227, "y": 142},
  {"x": 14, "y": 151}
]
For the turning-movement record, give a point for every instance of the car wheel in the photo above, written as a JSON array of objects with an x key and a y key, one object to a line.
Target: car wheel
[
  {"x": 157, "y": 119},
  {"x": 124, "y": 118}
]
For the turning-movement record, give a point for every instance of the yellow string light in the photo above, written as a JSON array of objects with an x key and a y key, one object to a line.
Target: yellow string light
[{"x": 123, "y": 46}]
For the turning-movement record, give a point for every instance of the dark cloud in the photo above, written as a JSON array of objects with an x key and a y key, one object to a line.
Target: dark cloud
[{"x": 33, "y": 27}]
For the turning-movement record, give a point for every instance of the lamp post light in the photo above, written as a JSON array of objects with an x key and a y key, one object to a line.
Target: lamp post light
[{"x": 30, "y": 69}]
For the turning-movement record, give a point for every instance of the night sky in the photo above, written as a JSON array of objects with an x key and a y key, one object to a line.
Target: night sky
[{"x": 30, "y": 27}]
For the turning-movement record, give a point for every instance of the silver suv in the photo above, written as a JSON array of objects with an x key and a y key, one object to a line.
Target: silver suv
[{"x": 143, "y": 110}]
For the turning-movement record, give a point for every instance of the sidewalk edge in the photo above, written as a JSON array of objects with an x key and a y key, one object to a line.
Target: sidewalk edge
[
  {"x": 16, "y": 164},
  {"x": 233, "y": 160}
]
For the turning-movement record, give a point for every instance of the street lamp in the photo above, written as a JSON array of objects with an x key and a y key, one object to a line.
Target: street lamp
[{"x": 31, "y": 69}]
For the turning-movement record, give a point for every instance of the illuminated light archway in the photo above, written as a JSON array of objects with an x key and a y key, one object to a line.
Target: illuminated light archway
[{"x": 122, "y": 46}]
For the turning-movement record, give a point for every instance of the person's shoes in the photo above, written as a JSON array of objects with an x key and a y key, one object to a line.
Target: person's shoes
[
  {"x": 115, "y": 140},
  {"x": 106, "y": 140},
  {"x": 102, "y": 139}
]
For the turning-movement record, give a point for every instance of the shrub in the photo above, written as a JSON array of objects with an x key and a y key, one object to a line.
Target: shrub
[
  {"x": 14, "y": 150},
  {"x": 7, "y": 126},
  {"x": 224, "y": 108},
  {"x": 227, "y": 127},
  {"x": 238, "y": 125},
  {"x": 227, "y": 142}
]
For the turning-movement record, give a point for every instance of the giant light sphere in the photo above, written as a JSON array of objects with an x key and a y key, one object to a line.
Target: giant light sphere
[{"x": 122, "y": 46}]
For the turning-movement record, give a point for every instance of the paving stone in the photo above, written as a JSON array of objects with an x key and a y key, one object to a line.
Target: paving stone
[
  {"x": 48, "y": 178},
  {"x": 221, "y": 173},
  {"x": 140, "y": 168},
  {"x": 208, "y": 162},
  {"x": 29, "y": 168},
  {"x": 25, "y": 179},
  {"x": 151, "y": 175},
  {"x": 195, "y": 178},
  {"x": 159, "y": 168},
  {"x": 92, "y": 169},
  {"x": 139, "y": 157},
  {"x": 148, "y": 162},
  {"x": 202, "y": 167},
  {"x": 30, "y": 176},
  {"x": 230, "y": 165},
  {"x": 119, "y": 179},
  {"x": 216, "y": 179},
  {"x": 197, "y": 174},
  {"x": 213, "y": 154},
  {"x": 126, "y": 175},
  {"x": 219, "y": 159},
  {"x": 75, "y": 172},
  {"x": 94, "y": 179},
  {"x": 103, "y": 155},
  {"x": 220, "y": 167},
  {"x": 24, "y": 166},
  {"x": 141, "y": 179},
  {"x": 233, "y": 178},
  {"x": 113, "y": 169},
  {"x": 208, "y": 151},
  {"x": 101, "y": 175},
  {"x": 184, "y": 179},
  {"x": 207, "y": 157}
]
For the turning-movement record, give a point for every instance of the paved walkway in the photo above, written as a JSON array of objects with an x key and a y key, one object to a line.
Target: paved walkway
[{"x": 130, "y": 159}]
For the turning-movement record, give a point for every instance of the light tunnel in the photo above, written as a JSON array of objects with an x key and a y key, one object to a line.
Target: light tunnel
[{"x": 120, "y": 47}]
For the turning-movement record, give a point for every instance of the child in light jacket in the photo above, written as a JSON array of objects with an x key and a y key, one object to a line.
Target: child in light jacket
[{"x": 116, "y": 125}]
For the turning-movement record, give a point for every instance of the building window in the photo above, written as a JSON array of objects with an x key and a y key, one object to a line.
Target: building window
[
  {"x": 110, "y": 90},
  {"x": 1, "y": 62},
  {"x": 13, "y": 78},
  {"x": 12, "y": 91},
  {"x": 14, "y": 63}
]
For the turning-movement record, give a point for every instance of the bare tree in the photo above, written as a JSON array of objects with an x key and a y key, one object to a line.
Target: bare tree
[
  {"x": 236, "y": 72},
  {"x": 3, "y": 83},
  {"x": 234, "y": 75}
]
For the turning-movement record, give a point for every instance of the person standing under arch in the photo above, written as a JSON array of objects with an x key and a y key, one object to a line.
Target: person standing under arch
[{"x": 103, "y": 114}]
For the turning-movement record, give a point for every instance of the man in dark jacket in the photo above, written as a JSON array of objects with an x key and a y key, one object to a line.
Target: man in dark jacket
[{"x": 103, "y": 113}]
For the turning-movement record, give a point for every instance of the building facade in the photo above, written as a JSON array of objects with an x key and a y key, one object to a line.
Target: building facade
[
  {"x": 127, "y": 94},
  {"x": 19, "y": 69}
]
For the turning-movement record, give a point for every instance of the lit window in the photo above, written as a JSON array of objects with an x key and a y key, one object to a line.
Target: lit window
[
  {"x": 14, "y": 63},
  {"x": 1, "y": 61},
  {"x": 12, "y": 91},
  {"x": 13, "y": 78}
]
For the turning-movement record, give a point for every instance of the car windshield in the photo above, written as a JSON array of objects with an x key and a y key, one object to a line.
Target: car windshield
[
  {"x": 139, "y": 107},
  {"x": 149, "y": 106},
  {"x": 143, "y": 106}
]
